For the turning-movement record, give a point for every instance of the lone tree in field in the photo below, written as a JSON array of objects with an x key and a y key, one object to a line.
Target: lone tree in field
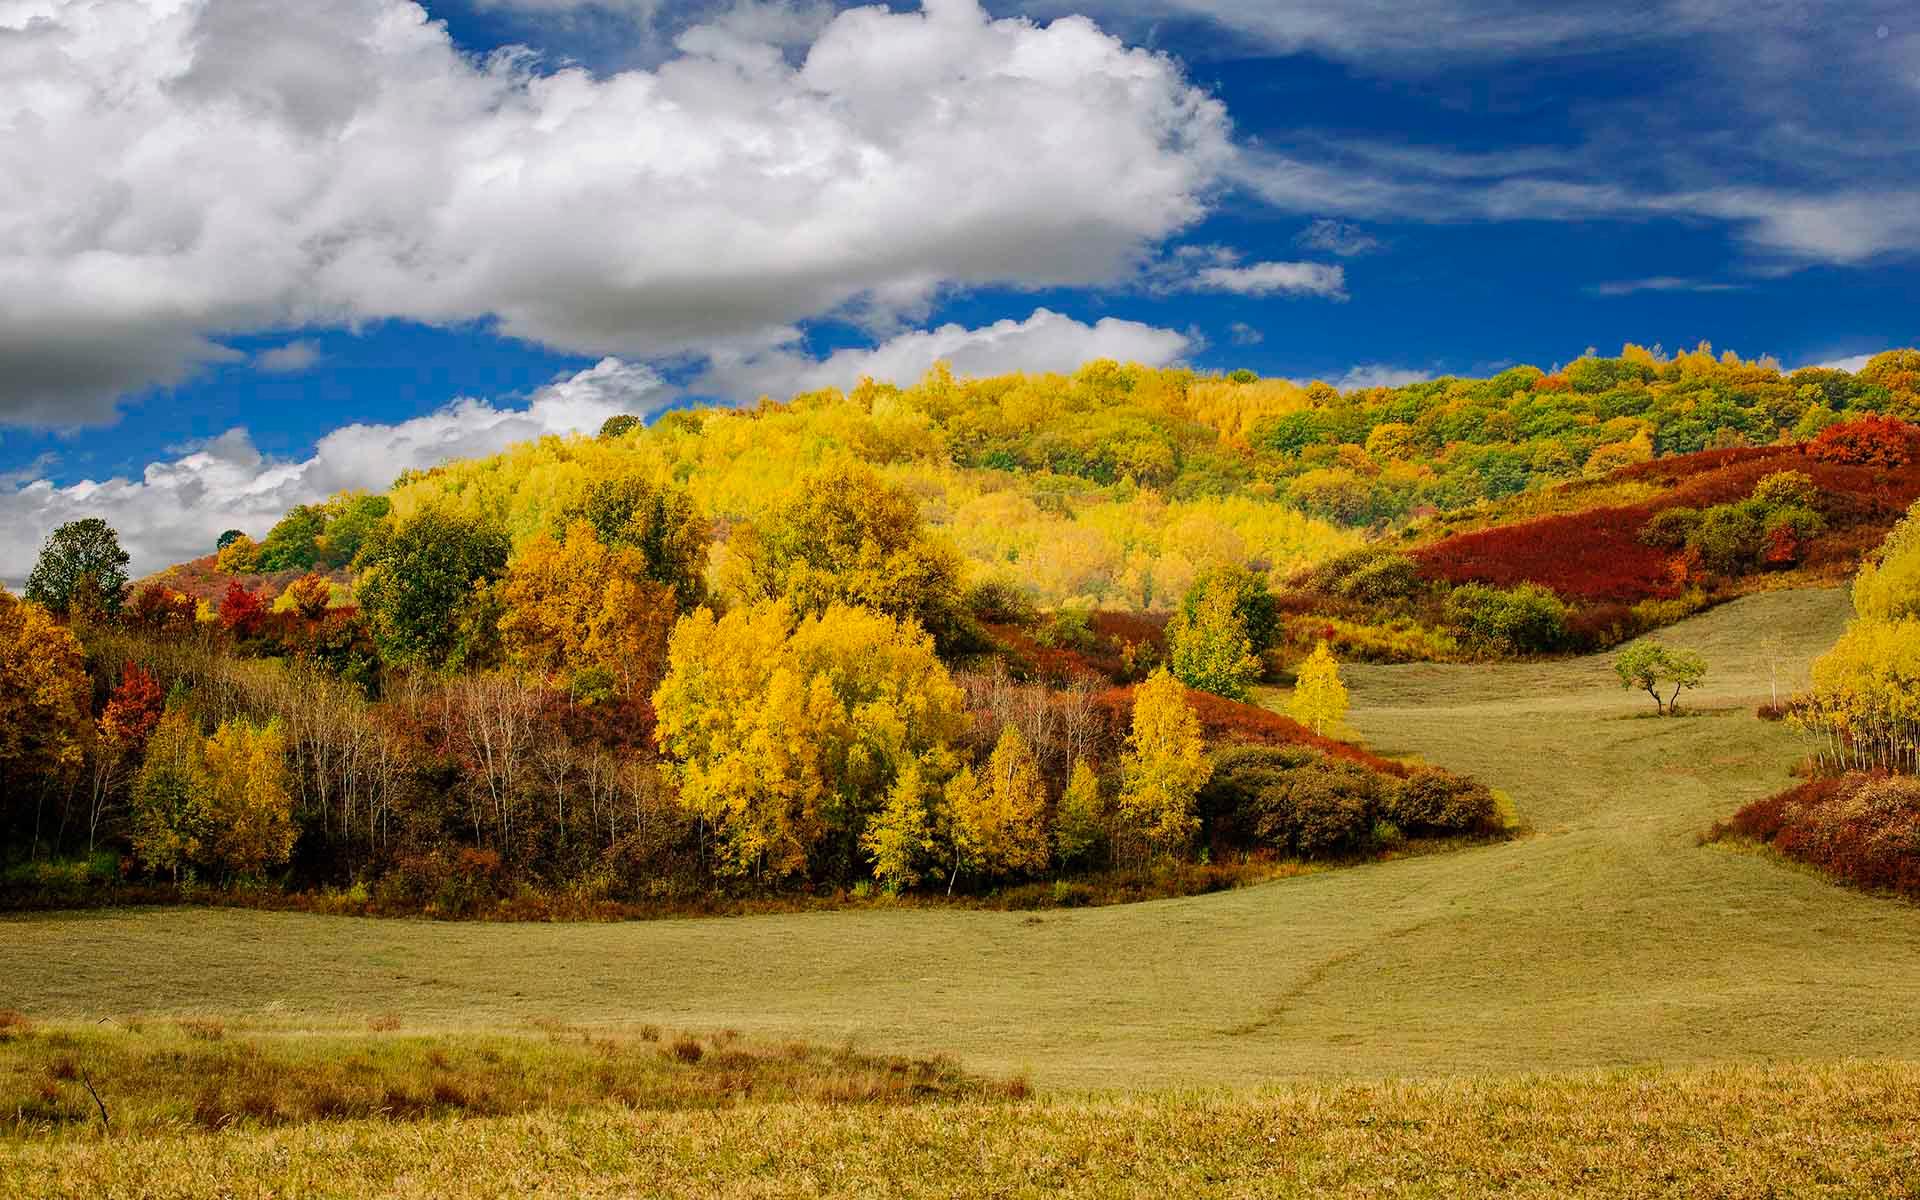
[
  {"x": 1649, "y": 666},
  {"x": 1319, "y": 698}
]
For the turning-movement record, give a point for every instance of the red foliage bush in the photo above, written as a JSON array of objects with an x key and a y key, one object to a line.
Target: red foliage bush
[
  {"x": 1861, "y": 829},
  {"x": 1595, "y": 556},
  {"x": 157, "y": 606},
  {"x": 1867, "y": 442}
]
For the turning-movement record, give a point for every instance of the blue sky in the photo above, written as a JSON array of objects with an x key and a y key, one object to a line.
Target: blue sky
[{"x": 260, "y": 255}]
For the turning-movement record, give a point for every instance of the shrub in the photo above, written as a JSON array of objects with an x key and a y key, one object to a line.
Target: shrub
[
  {"x": 1786, "y": 489},
  {"x": 1861, "y": 829},
  {"x": 1294, "y": 800},
  {"x": 1527, "y": 619},
  {"x": 1371, "y": 575},
  {"x": 1871, "y": 441},
  {"x": 1070, "y": 628},
  {"x": 1437, "y": 802},
  {"x": 1000, "y": 602},
  {"x": 1671, "y": 528}
]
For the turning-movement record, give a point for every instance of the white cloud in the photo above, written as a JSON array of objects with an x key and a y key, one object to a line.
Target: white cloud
[
  {"x": 179, "y": 168},
  {"x": 178, "y": 506},
  {"x": 1337, "y": 237},
  {"x": 1244, "y": 334},
  {"x": 1268, "y": 278},
  {"x": 1373, "y": 375},
  {"x": 290, "y": 359},
  {"x": 1045, "y": 341},
  {"x": 1851, "y": 364}
]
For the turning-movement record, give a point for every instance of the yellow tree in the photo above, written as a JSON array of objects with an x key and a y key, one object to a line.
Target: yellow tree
[
  {"x": 169, "y": 793},
  {"x": 578, "y": 606},
  {"x": 900, "y": 836},
  {"x": 1319, "y": 699},
  {"x": 1164, "y": 765},
  {"x": 1209, "y": 649},
  {"x": 1080, "y": 821},
  {"x": 45, "y": 700},
  {"x": 998, "y": 824},
  {"x": 784, "y": 736},
  {"x": 246, "y": 804}
]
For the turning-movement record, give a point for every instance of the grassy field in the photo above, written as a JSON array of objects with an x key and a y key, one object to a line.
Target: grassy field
[
  {"x": 1760, "y": 1013},
  {"x": 1605, "y": 938}
]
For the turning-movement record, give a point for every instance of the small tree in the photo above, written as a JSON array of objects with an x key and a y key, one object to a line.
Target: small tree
[
  {"x": 1080, "y": 822},
  {"x": 1209, "y": 648},
  {"x": 900, "y": 835},
  {"x": 1650, "y": 666},
  {"x": 1319, "y": 698},
  {"x": 1165, "y": 763}
]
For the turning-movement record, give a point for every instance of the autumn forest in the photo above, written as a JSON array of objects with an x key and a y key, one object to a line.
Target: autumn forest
[{"x": 1025, "y": 640}]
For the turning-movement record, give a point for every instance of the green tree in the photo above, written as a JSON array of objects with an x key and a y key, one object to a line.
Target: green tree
[
  {"x": 1649, "y": 666},
  {"x": 168, "y": 820},
  {"x": 1209, "y": 649},
  {"x": 632, "y": 512},
  {"x": 1164, "y": 765},
  {"x": 294, "y": 543},
  {"x": 426, "y": 590},
  {"x": 1319, "y": 699},
  {"x": 83, "y": 550}
]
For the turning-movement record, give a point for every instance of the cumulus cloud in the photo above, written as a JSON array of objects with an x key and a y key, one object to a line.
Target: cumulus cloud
[
  {"x": 290, "y": 359},
  {"x": 1244, "y": 334},
  {"x": 1045, "y": 341},
  {"x": 198, "y": 166},
  {"x": 178, "y": 506}
]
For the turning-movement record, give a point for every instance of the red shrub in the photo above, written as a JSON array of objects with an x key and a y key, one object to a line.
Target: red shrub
[
  {"x": 1596, "y": 557},
  {"x": 158, "y": 606},
  {"x": 1861, "y": 829},
  {"x": 1868, "y": 442},
  {"x": 241, "y": 610}
]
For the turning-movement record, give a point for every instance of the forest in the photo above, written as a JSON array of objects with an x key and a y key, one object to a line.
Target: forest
[{"x": 1012, "y": 638}]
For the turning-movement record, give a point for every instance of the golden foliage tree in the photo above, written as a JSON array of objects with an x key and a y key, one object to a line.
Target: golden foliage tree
[
  {"x": 1080, "y": 821},
  {"x": 246, "y": 805},
  {"x": 1164, "y": 765},
  {"x": 900, "y": 836},
  {"x": 169, "y": 821},
  {"x": 1319, "y": 699},
  {"x": 578, "y": 606},
  {"x": 998, "y": 824},
  {"x": 784, "y": 736},
  {"x": 1209, "y": 648},
  {"x": 846, "y": 536},
  {"x": 45, "y": 698}
]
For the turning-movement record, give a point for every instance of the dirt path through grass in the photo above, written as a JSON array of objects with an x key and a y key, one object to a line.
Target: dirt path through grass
[{"x": 1608, "y": 937}]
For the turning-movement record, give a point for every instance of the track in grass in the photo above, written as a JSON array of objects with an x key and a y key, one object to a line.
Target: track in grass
[{"x": 1606, "y": 937}]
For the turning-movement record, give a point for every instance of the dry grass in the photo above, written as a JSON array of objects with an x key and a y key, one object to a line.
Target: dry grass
[
  {"x": 1831, "y": 1130},
  {"x": 156, "y": 1080}
]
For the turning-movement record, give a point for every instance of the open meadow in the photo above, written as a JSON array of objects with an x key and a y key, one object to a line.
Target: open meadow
[{"x": 1605, "y": 938}]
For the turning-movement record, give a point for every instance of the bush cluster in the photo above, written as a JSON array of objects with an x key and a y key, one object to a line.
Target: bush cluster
[
  {"x": 1297, "y": 801},
  {"x": 1862, "y": 829}
]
